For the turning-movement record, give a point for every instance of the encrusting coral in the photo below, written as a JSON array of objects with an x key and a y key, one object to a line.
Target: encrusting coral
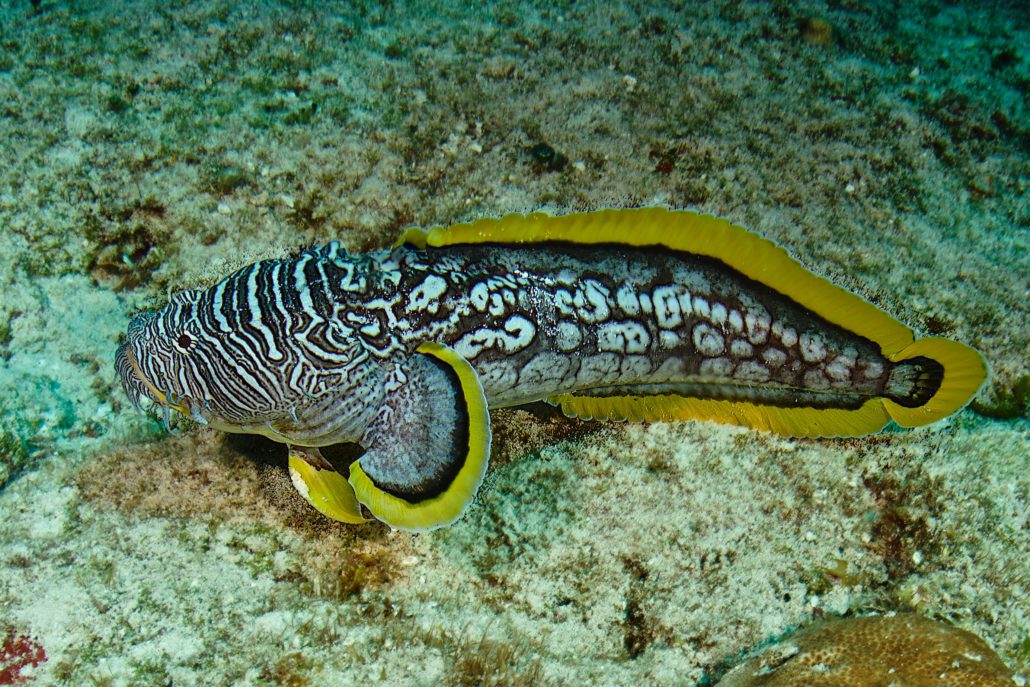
[{"x": 905, "y": 650}]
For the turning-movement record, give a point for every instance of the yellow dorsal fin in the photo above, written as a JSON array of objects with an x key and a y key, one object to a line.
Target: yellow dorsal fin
[
  {"x": 412, "y": 236},
  {"x": 752, "y": 255}
]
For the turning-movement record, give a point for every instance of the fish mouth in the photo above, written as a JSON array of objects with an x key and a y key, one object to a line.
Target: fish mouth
[{"x": 137, "y": 387}]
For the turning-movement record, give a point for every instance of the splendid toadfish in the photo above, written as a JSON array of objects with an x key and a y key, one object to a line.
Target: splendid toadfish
[{"x": 645, "y": 314}]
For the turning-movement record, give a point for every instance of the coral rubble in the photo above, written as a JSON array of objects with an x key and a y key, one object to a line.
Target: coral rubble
[{"x": 904, "y": 650}]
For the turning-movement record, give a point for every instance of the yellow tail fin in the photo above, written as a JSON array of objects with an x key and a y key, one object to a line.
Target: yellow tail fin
[{"x": 964, "y": 372}]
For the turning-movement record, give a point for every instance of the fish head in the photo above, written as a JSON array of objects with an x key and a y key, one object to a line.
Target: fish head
[
  {"x": 245, "y": 376},
  {"x": 167, "y": 359}
]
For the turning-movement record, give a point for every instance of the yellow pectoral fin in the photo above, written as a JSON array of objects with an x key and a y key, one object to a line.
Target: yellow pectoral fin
[
  {"x": 325, "y": 489},
  {"x": 423, "y": 468},
  {"x": 412, "y": 236}
]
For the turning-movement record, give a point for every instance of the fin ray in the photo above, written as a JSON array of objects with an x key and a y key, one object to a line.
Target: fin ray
[{"x": 412, "y": 236}]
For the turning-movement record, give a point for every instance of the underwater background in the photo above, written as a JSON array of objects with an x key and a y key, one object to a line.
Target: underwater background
[{"x": 147, "y": 147}]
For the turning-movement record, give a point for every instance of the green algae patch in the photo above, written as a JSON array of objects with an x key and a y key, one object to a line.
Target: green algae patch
[
  {"x": 521, "y": 433},
  {"x": 1007, "y": 403},
  {"x": 14, "y": 454},
  {"x": 492, "y": 663}
]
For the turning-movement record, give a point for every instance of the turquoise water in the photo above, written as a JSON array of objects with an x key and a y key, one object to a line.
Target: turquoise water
[{"x": 148, "y": 148}]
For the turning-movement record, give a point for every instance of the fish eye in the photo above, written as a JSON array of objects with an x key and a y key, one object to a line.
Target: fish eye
[{"x": 184, "y": 341}]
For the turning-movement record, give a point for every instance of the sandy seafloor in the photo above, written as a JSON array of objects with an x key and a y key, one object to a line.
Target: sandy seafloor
[{"x": 149, "y": 146}]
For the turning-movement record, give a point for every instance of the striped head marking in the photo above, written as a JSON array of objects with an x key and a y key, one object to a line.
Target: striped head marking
[
  {"x": 186, "y": 357},
  {"x": 254, "y": 354},
  {"x": 170, "y": 360}
]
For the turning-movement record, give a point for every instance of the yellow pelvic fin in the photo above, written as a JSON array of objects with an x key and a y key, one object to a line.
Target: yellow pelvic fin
[
  {"x": 965, "y": 371},
  {"x": 795, "y": 421},
  {"x": 750, "y": 254},
  {"x": 451, "y": 499},
  {"x": 324, "y": 488}
]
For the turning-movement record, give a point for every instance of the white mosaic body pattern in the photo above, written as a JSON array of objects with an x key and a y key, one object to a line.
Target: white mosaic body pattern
[{"x": 540, "y": 320}]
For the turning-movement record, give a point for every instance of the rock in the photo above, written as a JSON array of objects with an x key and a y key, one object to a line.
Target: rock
[{"x": 902, "y": 651}]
